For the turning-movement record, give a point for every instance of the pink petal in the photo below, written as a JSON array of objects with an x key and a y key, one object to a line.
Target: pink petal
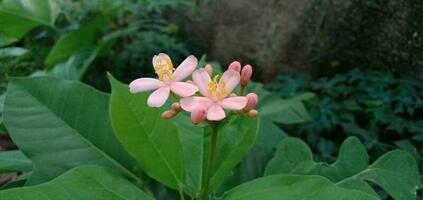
[
  {"x": 185, "y": 68},
  {"x": 183, "y": 89},
  {"x": 235, "y": 65},
  {"x": 215, "y": 113},
  {"x": 190, "y": 103},
  {"x": 158, "y": 97},
  {"x": 201, "y": 79},
  {"x": 144, "y": 84},
  {"x": 231, "y": 78},
  {"x": 233, "y": 103},
  {"x": 199, "y": 114}
]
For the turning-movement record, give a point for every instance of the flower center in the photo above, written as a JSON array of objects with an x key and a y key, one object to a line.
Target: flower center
[
  {"x": 164, "y": 68},
  {"x": 217, "y": 90}
]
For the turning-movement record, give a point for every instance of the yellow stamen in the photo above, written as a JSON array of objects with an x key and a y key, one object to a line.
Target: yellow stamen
[
  {"x": 163, "y": 67},
  {"x": 217, "y": 89}
]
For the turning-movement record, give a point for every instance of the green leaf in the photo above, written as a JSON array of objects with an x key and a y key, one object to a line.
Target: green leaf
[
  {"x": 12, "y": 51},
  {"x": 293, "y": 187},
  {"x": 151, "y": 140},
  {"x": 14, "y": 161},
  {"x": 192, "y": 138},
  {"x": 235, "y": 138},
  {"x": 2, "y": 97},
  {"x": 84, "y": 182},
  {"x": 17, "y": 17},
  {"x": 75, "y": 41},
  {"x": 6, "y": 40},
  {"x": 396, "y": 171},
  {"x": 269, "y": 134},
  {"x": 61, "y": 124},
  {"x": 250, "y": 168},
  {"x": 75, "y": 67}
]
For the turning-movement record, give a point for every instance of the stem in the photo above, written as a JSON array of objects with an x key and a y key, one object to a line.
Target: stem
[
  {"x": 212, "y": 150},
  {"x": 174, "y": 96},
  {"x": 181, "y": 195},
  {"x": 241, "y": 91}
]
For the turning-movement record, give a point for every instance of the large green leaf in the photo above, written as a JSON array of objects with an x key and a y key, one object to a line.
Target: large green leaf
[
  {"x": 269, "y": 134},
  {"x": 17, "y": 17},
  {"x": 235, "y": 138},
  {"x": 293, "y": 187},
  {"x": 396, "y": 171},
  {"x": 61, "y": 124},
  {"x": 86, "y": 36},
  {"x": 84, "y": 182},
  {"x": 153, "y": 141},
  {"x": 250, "y": 168},
  {"x": 192, "y": 138},
  {"x": 14, "y": 161}
]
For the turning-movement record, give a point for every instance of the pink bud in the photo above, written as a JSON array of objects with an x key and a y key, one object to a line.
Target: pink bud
[
  {"x": 168, "y": 114},
  {"x": 233, "y": 95},
  {"x": 252, "y": 100},
  {"x": 246, "y": 73},
  {"x": 198, "y": 114},
  {"x": 252, "y": 113},
  {"x": 235, "y": 65},
  {"x": 176, "y": 107},
  {"x": 209, "y": 69}
]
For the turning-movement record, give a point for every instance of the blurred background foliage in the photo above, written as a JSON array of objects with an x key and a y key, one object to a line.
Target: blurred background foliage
[{"x": 356, "y": 64}]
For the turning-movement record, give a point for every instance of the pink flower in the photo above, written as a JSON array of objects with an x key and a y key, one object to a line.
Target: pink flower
[
  {"x": 215, "y": 94},
  {"x": 169, "y": 80}
]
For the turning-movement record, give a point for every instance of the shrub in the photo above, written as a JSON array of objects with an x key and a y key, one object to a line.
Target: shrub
[{"x": 382, "y": 109}]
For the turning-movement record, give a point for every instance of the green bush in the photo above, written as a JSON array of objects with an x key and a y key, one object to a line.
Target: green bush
[
  {"x": 116, "y": 36},
  {"x": 382, "y": 109}
]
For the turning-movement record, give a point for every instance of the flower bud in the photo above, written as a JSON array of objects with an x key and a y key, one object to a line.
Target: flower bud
[
  {"x": 233, "y": 95},
  {"x": 252, "y": 100},
  {"x": 198, "y": 114},
  {"x": 209, "y": 69},
  {"x": 235, "y": 65},
  {"x": 176, "y": 107},
  {"x": 168, "y": 114},
  {"x": 252, "y": 113},
  {"x": 246, "y": 73}
]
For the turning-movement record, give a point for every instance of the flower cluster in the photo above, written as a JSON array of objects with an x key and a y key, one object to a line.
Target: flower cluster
[{"x": 215, "y": 93}]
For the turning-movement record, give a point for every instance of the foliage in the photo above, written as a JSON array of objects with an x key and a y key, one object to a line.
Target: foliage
[
  {"x": 121, "y": 37},
  {"x": 18, "y": 17},
  {"x": 77, "y": 136},
  {"x": 85, "y": 182},
  {"x": 168, "y": 151},
  {"x": 77, "y": 142},
  {"x": 84, "y": 39},
  {"x": 88, "y": 139},
  {"x": 379, "y": 108},
  {"x": 293, "y": 187},
  {"x": 396, "y": 171},
  {"x": 15, "y": 160}
]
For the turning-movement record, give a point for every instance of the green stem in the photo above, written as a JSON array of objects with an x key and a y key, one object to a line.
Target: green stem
[
  {"x": 241, "y": 91},
  {"x": 181, "y": 195},
  {"x": 174, "y": 96},
  {"x": 212, "y": 150}
]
